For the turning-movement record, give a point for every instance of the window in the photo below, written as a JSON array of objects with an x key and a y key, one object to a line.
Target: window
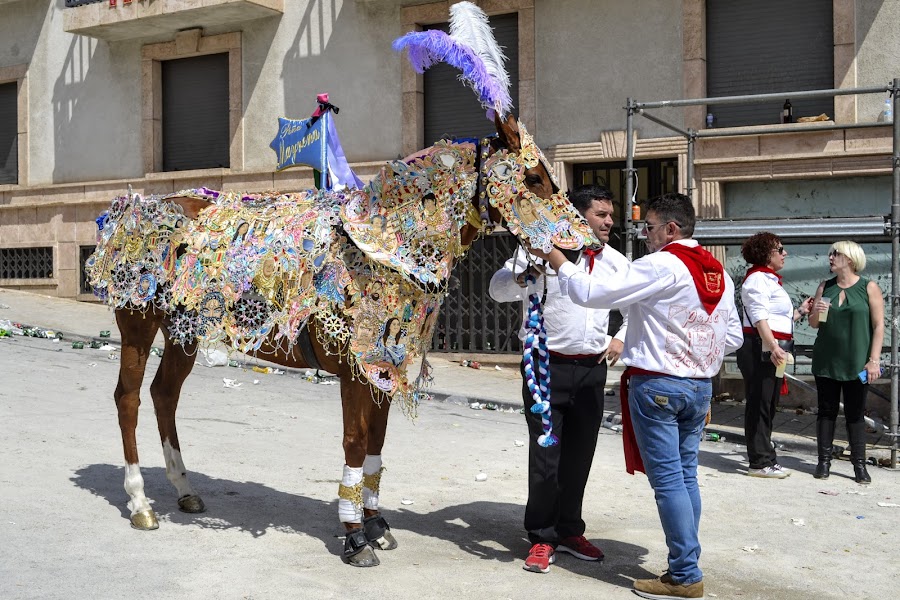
[
  {"x": 452, "y": 108},
  {"x": 768, "y": 46},
  {"x": 84, "y": 286},
  {"x": 26, "y": 263},
  {"x": 195, "y": 116},
  {"x": 9, "y": 133}
]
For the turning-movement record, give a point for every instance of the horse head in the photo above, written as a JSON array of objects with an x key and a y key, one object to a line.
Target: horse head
[{"x": 517, "y": 190}]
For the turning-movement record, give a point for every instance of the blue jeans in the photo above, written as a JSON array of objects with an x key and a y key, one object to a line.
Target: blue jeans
[{"x": 668, "y": 414}]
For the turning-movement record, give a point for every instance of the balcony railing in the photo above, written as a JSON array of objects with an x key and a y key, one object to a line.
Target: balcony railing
[
  {"x": 116, "y": 20},
  {"x": 74, "y": 3}
]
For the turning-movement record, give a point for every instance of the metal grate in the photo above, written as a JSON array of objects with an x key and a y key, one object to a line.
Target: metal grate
[
  {"x": 470, "y": 320},
  {"x": 74, "y": 3},
  {"x": 26, "y": 263},
  {"x": 84, "y": 252}
]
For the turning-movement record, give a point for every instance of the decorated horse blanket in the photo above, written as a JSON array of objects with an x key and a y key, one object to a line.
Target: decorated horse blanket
[{"x": 371, "y": 265}]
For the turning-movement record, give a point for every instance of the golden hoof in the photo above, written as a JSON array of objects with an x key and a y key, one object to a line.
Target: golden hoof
[
  {"x": 191, "y": 504},
  {"x": 144, "y": 520}
]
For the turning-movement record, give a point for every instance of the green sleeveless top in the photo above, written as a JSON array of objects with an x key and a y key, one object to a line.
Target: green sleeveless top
[{"x": 844, "y": 340}]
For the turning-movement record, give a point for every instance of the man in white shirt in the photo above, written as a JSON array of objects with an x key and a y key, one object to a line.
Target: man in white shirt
[
  {"x": 579, "y": 348},
  {"x": 682, "y": 321}
]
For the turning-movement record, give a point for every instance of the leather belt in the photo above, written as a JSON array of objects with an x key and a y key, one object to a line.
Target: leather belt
[{"x": 587, "y": 360}]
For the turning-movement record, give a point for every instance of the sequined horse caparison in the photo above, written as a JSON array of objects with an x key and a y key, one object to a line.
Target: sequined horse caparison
[{"x": 350, "y": 282}]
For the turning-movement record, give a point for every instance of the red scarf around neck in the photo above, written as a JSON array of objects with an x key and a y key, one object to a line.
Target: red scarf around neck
[
  {"x": 708, "y": 273},
  {"x": 590, "y": 253},
  {"x": 762, "y": 269}
]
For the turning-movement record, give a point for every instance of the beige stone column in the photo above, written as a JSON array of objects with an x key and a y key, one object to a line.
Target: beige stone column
[
  {"x": 844, "y": 59},
  {"x": 693, "y": 35}
]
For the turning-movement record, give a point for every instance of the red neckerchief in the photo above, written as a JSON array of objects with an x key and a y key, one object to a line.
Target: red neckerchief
[
  {"x": 708, "y": 273},
  {"x": 590, "y": 253},
  {"x": 759, "y": 268}
]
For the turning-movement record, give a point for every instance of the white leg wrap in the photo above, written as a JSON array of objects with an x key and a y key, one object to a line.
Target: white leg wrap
[
  {"x": 134, "y": 486},
  {"x": 176, "y": 472},
  {"x": 350, "y": 494},
  {"x": 371, "y": 481}
]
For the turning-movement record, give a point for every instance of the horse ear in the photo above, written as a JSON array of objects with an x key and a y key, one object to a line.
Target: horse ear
[{"x": 508, "y": 130}]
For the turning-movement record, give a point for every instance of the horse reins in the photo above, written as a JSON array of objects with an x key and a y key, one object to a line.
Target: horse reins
[{"x": 487, "y": 224}]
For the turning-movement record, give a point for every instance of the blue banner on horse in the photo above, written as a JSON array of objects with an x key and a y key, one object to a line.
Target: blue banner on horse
[
  {"x": 314, "y": 142},
  {"x": 302, "y": 142}
]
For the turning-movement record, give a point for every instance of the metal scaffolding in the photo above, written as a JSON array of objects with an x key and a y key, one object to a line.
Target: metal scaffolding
[{"x": 798, "y": 230}]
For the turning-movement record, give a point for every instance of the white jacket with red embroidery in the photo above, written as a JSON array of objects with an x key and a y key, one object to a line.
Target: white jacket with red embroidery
[{"x": 669, "y": 331}]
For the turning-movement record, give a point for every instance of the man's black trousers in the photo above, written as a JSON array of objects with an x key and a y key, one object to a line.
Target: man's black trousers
[{"x": 558, "y": 474}]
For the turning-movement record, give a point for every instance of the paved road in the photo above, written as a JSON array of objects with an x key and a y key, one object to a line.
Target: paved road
[{"x": 267, "y": 458}]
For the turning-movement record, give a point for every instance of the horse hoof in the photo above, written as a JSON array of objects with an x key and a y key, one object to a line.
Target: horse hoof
[
  {"x": 144, "y": 520},
  {"x": 364, "y": 558},
  {"x": 357, "y": 551},
  {"x": 378, "y": 532},
  {"x": 385, "y": 542},
  {"x": 191, "y": 504}
]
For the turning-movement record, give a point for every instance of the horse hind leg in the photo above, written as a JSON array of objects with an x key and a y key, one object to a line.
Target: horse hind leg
[
  {"x": 137, "y": 330},
  {"x": 177, "y": 362}
]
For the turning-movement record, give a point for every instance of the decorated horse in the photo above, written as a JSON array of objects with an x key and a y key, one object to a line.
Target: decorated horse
[{"x": 347, "y": 280}]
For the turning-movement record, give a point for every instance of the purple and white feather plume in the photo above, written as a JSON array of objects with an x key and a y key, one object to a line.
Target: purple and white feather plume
[{"x": 471, "y": 48}]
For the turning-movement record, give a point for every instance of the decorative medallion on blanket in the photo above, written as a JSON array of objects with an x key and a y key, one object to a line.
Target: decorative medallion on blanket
[{"x": 411, "y": 216}]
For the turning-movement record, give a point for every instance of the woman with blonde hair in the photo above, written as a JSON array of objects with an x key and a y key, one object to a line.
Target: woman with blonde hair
[{"x": 847, "y": 353}]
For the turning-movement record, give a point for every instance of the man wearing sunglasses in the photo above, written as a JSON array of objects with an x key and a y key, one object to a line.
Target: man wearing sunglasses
[{"x": 682, "y": 321}]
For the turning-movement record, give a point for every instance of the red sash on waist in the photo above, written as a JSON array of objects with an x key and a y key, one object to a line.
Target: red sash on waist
[
  {"x": 633, "y": 461},
  {"x": 777, "y": 334},
  {"x": 708, "y": 273}
]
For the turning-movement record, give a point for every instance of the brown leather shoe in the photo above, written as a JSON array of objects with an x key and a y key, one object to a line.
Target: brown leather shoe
[{"x": 663, "y": 588}]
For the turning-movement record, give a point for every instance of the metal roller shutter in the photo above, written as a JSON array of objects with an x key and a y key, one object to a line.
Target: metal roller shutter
[
  {"x": 9, "y": 133},
  {"x": 195, "y": 113},
  {"x": 768, "y": 46},
  {"x": 451, "y": 108}
]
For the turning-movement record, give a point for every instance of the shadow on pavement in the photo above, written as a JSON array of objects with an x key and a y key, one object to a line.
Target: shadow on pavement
[
  {"x": 493, "y": 531},
  {"x": 487, "y": 530},
  {"x": 243, "y": 505}
]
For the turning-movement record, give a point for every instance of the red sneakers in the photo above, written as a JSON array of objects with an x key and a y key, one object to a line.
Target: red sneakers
[
  {"x": 579, "y": 547},
  {"x": 540, "y": 557}
]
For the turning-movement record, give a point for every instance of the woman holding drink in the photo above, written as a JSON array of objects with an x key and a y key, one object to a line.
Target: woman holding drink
[
  {"x": 768, "y": 321},
  {"x": 849, "y": 313}
]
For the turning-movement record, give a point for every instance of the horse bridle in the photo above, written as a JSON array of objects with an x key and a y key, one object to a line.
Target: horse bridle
[
  {"x": 486, "y": 224},
  {"x": 480, "y": 218}
]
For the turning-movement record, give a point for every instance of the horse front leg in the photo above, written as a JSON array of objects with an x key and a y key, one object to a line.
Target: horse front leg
[
  {"x": 355, "y": 401},
  {"x": 137, "y": 331},
  {"x": 378, "y": 532},
  {"x": 176, "y": 365}
]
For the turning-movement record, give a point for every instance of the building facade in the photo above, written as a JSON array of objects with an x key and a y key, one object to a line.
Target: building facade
[{"x": 162, "y": 95}]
